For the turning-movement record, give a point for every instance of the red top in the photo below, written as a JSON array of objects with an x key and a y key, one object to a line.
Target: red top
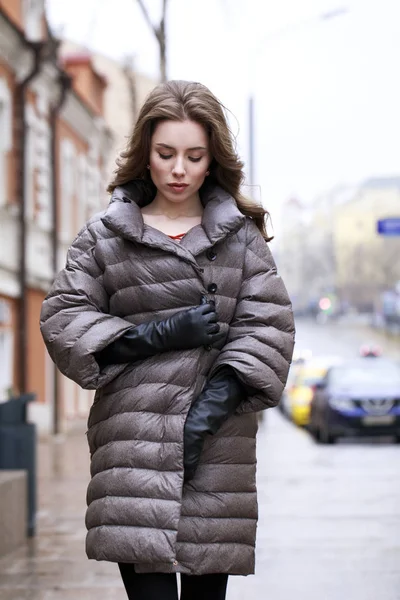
[{"x": 177, "y": 237}]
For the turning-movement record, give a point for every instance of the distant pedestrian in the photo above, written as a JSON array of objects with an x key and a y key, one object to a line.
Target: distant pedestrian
[{"x": 170, "y": 307}]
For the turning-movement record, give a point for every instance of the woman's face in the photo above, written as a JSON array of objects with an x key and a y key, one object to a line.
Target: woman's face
[{"x": 179, "y": 159}]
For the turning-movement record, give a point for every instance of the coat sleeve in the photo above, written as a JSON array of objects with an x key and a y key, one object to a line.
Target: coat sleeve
[
  {"x": 260, "y": 341},
  {"x": 75, "y": 320}
]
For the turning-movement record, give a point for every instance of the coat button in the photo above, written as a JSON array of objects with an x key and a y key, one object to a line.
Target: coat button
[
  {"x": 208, "y": 348},
  {"x": 211, "y": 254},
  {"x": 212, "y": 288},
  {"x": 175, "y": 563}
]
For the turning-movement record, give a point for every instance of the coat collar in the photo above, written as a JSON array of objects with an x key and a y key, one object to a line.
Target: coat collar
[{"x": 221, "y": 218}]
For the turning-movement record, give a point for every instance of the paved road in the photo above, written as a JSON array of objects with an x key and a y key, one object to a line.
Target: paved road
[
  {"x": 329, "y": 516},
  {"x": 343, "y": 338},
  {"x": 329, "y": 519}
]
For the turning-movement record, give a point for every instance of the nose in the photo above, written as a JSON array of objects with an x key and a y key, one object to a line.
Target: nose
[{"x": 178, "y": 168}]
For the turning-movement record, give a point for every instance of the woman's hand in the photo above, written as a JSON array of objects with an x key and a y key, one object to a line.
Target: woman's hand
[
  {"x": 219, "y": 399},
  {"x": 190, "y": 328},
  {"x": 184, "y": 330}
]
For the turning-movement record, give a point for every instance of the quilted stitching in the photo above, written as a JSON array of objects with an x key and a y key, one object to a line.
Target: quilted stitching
[{"x": 120, "y": 273}]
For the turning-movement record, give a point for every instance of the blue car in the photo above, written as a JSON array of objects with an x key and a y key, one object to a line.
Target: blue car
[{"x": 360, "y": 397}]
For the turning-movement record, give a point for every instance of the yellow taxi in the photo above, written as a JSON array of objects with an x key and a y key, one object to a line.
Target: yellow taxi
[{"x": 301, "y": 388}]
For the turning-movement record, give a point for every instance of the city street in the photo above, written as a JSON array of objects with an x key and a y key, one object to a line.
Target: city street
[{"x": 329, "y": 524}]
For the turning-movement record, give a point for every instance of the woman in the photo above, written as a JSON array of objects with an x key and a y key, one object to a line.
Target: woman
[{"x": 171, "y": 308}]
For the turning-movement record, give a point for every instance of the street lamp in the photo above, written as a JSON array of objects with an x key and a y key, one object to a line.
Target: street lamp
[{"x": 279, "y": 33}]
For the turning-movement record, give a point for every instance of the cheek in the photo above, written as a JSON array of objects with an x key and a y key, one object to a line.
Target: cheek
[
  {"x": 199, "y": 170},
  {"x": 157, "y": 165}
]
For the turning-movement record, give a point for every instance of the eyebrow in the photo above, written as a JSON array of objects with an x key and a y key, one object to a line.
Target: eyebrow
[{"x": 172, "y": 148}]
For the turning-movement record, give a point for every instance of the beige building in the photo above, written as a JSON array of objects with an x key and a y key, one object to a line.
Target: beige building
[
  {"x": 367, "y": 263},
  {"x": 292, "y": 243},
  {"x": 332, "y": 245},
  {"x": 124, "y": 94},
  {"x": 319, "y": 266}
]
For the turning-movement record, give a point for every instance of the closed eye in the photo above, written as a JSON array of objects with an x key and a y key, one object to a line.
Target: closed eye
[{"x": 168, "y": 156}]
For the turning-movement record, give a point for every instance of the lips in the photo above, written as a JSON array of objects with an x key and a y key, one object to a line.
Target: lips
[{"x": 177, "y": 188}]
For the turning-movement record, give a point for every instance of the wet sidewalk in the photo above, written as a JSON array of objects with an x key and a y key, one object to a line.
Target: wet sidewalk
[
  {"x": 329, "y": 525},
  {"x": 53, "y": 565}
]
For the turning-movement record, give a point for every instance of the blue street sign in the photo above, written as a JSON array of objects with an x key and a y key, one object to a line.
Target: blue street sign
[{"x": 389, "y": 226}]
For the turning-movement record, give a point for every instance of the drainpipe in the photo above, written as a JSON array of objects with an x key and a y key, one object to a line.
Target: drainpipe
[
  {"x": 20, "y": 104},
  {"x": 65, "y": 84}
]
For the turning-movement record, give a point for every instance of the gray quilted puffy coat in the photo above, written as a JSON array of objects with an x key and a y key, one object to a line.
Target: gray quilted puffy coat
[{"x": 121, "y": 272}]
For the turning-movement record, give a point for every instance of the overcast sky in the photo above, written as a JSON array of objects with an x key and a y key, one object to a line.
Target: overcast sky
[{"x": 327, "y": 92}]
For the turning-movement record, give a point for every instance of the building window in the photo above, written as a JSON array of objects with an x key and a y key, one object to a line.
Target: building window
[
  {"x": 43, "y": 181},
  {"x": 68, "y": 185},
  {"x": 82, "y": 190},
  {"x": 88, "y": 188},
  {"x": 93, "y": 180},
  {"x": 38, "y": 170},
  {"x": 30, "y": 162},
  {"x": 93, "y": 190},
  {"x": 6, "y": 351},
  {"x": 5, "y": 138}
]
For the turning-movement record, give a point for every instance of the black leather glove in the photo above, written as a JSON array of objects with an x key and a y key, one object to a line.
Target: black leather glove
[
  {"x": 219, "y": 399},
  {"x": 182, "y": 331}
]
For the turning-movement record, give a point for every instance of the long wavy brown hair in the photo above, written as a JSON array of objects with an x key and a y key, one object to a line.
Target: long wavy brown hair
[{"x": 180, "y": 101}]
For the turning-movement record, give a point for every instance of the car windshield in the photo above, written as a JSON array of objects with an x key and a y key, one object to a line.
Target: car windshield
[{"x": 362, "y": 376}]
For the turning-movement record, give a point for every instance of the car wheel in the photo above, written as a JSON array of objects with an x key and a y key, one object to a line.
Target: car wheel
[
  {"x": 313, "y": 425},
  {"x": 325, "y": 436},
  {"x": 315, "y": 432}
]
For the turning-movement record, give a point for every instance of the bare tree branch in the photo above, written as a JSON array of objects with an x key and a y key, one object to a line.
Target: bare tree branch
[
  {"x": 147, "y": 17},
  {"x": 160, "y": 35}
]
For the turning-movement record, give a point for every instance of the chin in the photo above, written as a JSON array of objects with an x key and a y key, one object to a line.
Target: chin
[{"x": 178, "y": 197}]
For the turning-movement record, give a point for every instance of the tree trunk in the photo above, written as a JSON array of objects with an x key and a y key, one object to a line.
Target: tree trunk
[
  {"x": 163, "y": 59},
  {"x": 163, "y": 44},
  {"x": 160, "y": 35},
  {"x": 130, "y": 74}
]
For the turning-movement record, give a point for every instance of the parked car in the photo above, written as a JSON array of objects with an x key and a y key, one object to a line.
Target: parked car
[
  {"x": 300, "y": 356},
  {"x": 360, "y": 397},
  {"x": 284, "y": 404},
  {"x": 302, "y": 382}
]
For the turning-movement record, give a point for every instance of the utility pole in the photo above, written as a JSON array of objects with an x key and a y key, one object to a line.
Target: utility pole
[{"x": 160, "y": 35}]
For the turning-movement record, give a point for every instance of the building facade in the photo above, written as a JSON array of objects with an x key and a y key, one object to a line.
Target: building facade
[
  {"x": 123, "y": 97},
  {"x": 52, "y": 162},
  {"x": 293, "y": 244},
  {"x": 331, "y": 246},
  {"x": 367, "y": 263}
]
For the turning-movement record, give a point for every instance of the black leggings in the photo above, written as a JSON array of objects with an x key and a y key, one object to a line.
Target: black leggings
[{"x": 163, "y": 586}]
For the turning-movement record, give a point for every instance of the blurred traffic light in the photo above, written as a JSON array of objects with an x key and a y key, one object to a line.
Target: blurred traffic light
[{"x": 325, "y": 304}]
